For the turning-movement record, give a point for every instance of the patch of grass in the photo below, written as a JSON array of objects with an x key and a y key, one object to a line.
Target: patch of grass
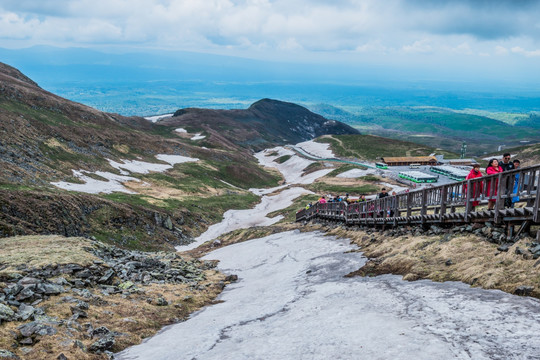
[
  {"x": 282, "y": 159},
  {"x": 40, "y": 250},
  {"x": 46, "y": 116},
  {"x": 163, "y": 131},
  {"x": 196, "y": 177},
  {"x": 474, "y": 260},
  {"x": 372, "y": 148},
  {"x": 59, "y": 155},
  {"x": 370, "y": 178},
  {"x": 212, "y": 208},
  {"x": 131, "y": 199},
  {"x": 316, "y": 166},
  {"x": 12, "y": 186},
  {"x": 344, "y": 168},
  {"x": 95, "y": 176}
]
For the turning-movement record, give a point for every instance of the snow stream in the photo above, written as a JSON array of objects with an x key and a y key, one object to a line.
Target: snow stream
[{"x": 292, "y": 301}]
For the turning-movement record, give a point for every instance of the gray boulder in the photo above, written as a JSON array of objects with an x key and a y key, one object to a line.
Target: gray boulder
[
  {"x": 13, "y": 290},
  {"x": 6, "y": 314},
  {"x": 26, "y": 294},
  {"x": 105, "y": 343},
  {"x": 36, "y": 327},
  {"x": 100, "y": 332},
  {"x": 524, "y": 290},
  {"x": 50, "y": 289},
  {"x": 25, "y": 312},
  {"x": 5, "y": 354},
  {"x": 107, "y": 277}
]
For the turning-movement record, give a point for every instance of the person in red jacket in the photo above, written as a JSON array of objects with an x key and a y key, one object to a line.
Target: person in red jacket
[
  {"x": 493, "y": 168},
  {"x": 477, "y": 186}
]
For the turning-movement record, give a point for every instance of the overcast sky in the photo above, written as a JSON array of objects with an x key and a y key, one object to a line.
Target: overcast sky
[{"x": 476, "y": 34}]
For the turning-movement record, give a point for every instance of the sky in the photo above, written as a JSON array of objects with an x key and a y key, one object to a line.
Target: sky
[
  {"x": 283, "y": 28},
  {"x": 489, "y": 39}
]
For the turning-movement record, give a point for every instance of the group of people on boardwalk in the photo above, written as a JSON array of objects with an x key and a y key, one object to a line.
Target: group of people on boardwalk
[
  {"x": 494, "y": 167},
  {"x": 479, "y": 189},
  {"x": 336, "y": 199}
]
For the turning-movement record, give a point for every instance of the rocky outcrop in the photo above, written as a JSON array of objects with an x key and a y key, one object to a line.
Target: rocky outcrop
[{"x": 35, "y": 212}]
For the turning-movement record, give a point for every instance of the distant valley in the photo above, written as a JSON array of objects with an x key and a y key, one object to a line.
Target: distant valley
[{"x": 441, "y": 127}]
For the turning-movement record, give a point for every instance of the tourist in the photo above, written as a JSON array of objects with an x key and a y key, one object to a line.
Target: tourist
[
  {"x": 382, "y": 195},
  {"x": 477, "y": 186},
  {"x": 493, "y": 168},
  {"x": 322, "y": 200},
  {"x": 506, "y": 164},
  {"x": 516, "y": 188}
]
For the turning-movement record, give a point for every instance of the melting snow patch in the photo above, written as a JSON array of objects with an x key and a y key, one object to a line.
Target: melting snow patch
[
  {"x": 356, "y": 173},
  {"x": 292, "y": 301},
  {"x": 292, "y": 168},
  {"x": 242, "y": 219},
  {"x": 181, "y": 130},
  {"x": 142, "y": 167},
  {"x": 114, "y": 182},
  {"x": 136, "y": 166},
  {"x": 318, "y": 149},
  {"x": 175, "y": 159},
  {"x": 158, "y": 117},
  {"x": 198, "y": 136},
  {"x": 93, "y": 186}
]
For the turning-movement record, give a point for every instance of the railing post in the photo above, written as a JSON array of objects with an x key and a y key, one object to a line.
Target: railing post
[
  {"x": 536, "y": 202},
  {"x": 423, "y": 212},
  {"x": 468, "y": 200},
  {"x": 444, "y": 194},
  {"x": 498, "y": 198},
  {"x": 409, "y": 204}
]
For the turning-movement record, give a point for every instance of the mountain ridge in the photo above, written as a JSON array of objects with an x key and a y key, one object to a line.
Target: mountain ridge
[{"x": 265, "y": 123}]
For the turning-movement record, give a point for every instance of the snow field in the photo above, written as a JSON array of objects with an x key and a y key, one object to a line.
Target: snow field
[
  {"x": 115, "y": 182},
  {"x": 321, "y": 150},
  {"x": 292, "y": 168},
  {"x": 292, "y": 302}
]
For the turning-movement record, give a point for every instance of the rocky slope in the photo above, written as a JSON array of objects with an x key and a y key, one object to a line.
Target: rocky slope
[
  {"x": 45, "y": 138},
  {"x": 74, "y": 298},
  {"x": 264, "y": 124}
]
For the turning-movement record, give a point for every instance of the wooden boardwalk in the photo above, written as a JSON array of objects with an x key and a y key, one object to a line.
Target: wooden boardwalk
[{"x": 451, "y": 203}]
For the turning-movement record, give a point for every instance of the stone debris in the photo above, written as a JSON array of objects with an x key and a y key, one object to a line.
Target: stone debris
[{"x": 117, "y": 271}]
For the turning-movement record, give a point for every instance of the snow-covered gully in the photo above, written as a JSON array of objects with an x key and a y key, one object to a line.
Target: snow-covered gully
[{"x": 292, "y": 301}]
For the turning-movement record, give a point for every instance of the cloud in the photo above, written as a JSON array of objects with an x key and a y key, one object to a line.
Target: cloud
[
  {"x": 419, "y": 46},
  {"x": 527, "y": 53},
  {"x": 367, "y": 27}
]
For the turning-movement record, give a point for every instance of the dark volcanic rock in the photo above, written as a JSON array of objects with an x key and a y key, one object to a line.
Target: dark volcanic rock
[
  {"x": 36, "y": 327},
  {"x": 103, "y": 344}
]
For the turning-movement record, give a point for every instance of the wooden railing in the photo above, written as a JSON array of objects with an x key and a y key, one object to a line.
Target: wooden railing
[{"x": 453, "y": 203}]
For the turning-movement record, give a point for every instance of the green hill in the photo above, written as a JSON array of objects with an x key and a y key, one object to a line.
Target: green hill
[
  {"x": 371, "y": 147},
  {"x": 442, "y": 128}
]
